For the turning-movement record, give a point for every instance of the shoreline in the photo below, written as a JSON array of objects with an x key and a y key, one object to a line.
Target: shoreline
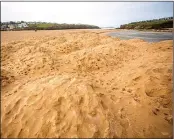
[{"x": 150, "y": 30}]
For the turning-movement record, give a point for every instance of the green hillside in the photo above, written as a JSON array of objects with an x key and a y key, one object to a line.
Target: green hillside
[
  {"x": 55, "y": 26},
  {"x": 150, "y": 24}
]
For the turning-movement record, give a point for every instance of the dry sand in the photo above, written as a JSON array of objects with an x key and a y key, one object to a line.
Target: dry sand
[{"x": 84, "y": 84}]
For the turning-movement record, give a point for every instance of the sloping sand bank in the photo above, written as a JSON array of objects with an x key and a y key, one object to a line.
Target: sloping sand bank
[{"x": 85, "y": 84}]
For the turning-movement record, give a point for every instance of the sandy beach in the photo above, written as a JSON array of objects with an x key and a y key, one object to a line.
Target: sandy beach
[{"x": 84, "y": 84}]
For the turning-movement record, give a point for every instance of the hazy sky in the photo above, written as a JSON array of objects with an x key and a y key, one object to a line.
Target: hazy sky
[{"x": 96, "y": 13}]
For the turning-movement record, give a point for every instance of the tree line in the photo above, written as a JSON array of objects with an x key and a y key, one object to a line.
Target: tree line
[
  {"x": 53, "y": 26},
  {"x": 48, "y": 26},
  {"x": 150, "y": 24}
]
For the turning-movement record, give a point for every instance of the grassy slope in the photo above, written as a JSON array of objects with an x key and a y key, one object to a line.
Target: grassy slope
[
  {"x": 153, "y": 24},
  {"x": 59, "y": 26}
]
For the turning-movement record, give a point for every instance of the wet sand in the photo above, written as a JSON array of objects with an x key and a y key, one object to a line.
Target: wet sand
[
  {"x": 147, "y": 36},
  {"x": 83, "y": 83}
]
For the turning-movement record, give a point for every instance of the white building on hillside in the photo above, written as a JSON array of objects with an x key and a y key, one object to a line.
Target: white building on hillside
[
  {"x": 22, "y": 25},
  {"x": 19, "y": 25},
  {"x": 11, "y": 26}
]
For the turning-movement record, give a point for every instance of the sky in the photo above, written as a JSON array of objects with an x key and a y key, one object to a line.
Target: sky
[{"x": 102, "y": 14}]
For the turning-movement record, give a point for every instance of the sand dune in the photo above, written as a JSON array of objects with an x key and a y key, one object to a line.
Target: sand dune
[{"x": 85, "y": 84}]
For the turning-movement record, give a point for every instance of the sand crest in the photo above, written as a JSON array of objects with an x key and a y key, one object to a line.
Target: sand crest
[{"x": 85, "y": 84}]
